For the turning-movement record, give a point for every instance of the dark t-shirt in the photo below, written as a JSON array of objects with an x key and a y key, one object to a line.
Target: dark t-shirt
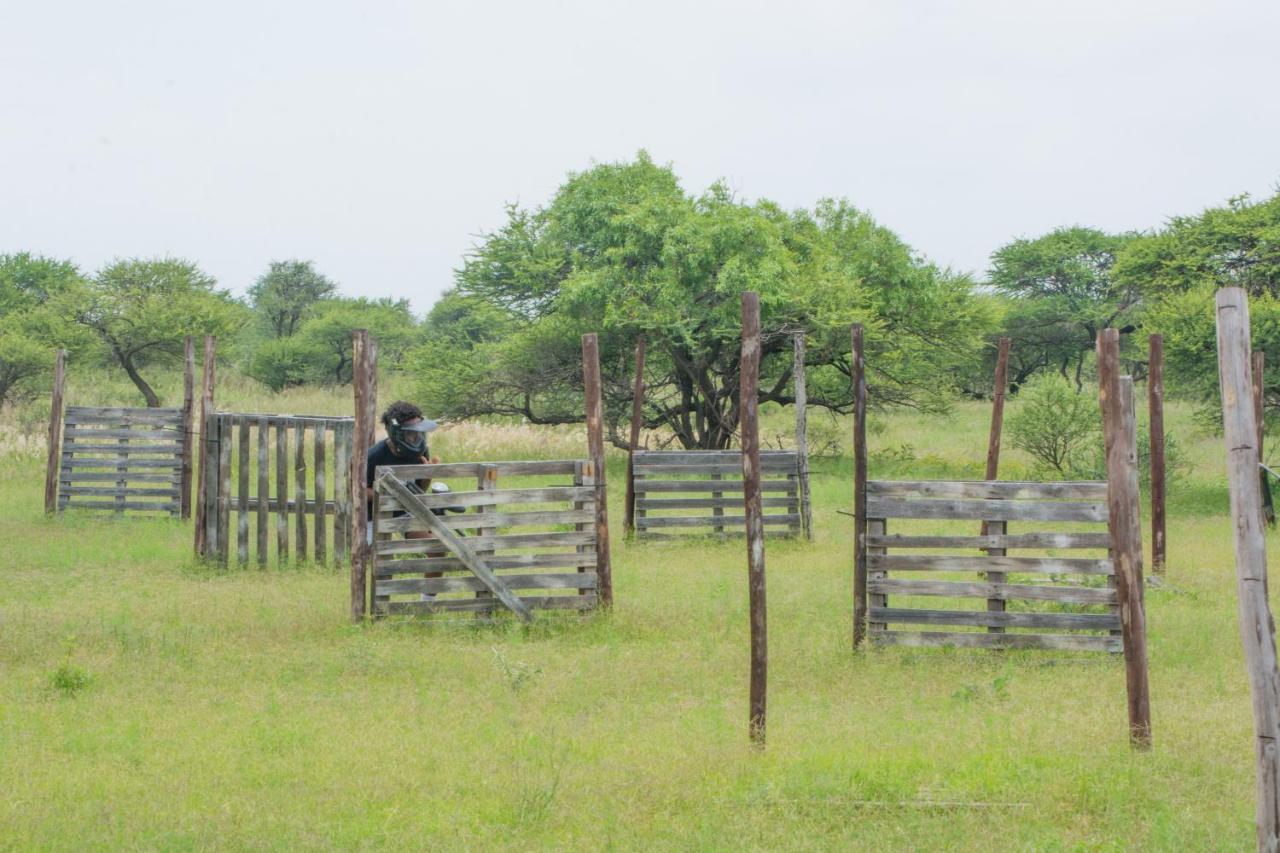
[{"x": 381, "y": 454}]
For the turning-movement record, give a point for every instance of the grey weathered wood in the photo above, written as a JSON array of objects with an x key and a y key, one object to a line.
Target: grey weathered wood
[
  {"x": 456, "y": 545},
  {"x": 188, "y": 421},
  {"x": 173, "y": 450},
  {"x": 363, "y": 370},
  {"x": 487, "y": 481},
  {"x": 709, "y": 520},
  {"x": 224, "y": 490},
  {"x": 478, "y": 605},
  {"x": 341, "y": 492},
  {"x": 595, "y": 448},
  {"x": 417, "y": 565},
  {"x": 119, "y": 505},
  {"x": 647, "y": 487},
  {"x": 148, "y": 476},
  {"x": 55, "y": 430},
  {"x": 1155, "y": 415},
  {"x": 1004, "y": 591},
  {"x": 1054, "y": 642},
  {"x": 1089, "y": 490},
  {"x": 1027, "y": 565},
  {"x": 718, "y": 501},
  {"x": 995, "y": 604},
  {"x": 861, "y": 541},
  {"x": 985, "y": 618},
  {"x": 767, "y": 466},
  {"x": 702, "y": 457},
  {"x": 713, "y": 503},
  {"x": 802, "y": 435},
  {"x": 1257, "y": 625},
  {"x": 505, "y": 541},
  {"x": 442, "y": 470},
  {"x": 264, "y": 491},
  {"x": 300, "y": 490},
  {"x": 503, "y": 497},
  {"x": 1037, "y": 541},
  {"x": 749, "y": 426},
  {"x": 282, "y": 494},
  {"x": 106, "y": 416},
  {"x": 994, "y": 510},
  {"x": 998, "y": 389},
  {"x": 124, "y": 493},
  {"x": 122, "y": 462},
  {"x": 493, "y": 519},
  {"x": 1259, "y": 362},
  {"x": 205, "y": 476},
  {"x": 242, "y": 493},
  {"x": 544, "y": 580},
  {"x": 93, "y": 433},
  {"x": 876, "y": 529},
  {"x": 633, "y": 444},
  {"x": 319, "y": 544}
]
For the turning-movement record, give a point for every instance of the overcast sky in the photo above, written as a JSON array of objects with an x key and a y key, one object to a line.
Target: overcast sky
[{"x": 378, "y": 139}]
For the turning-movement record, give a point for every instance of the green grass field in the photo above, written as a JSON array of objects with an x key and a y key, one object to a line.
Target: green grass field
[{"x": 149, "y": 702}]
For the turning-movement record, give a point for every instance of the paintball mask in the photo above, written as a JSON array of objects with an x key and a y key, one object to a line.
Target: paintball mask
[{"x": 411, "y": 437}]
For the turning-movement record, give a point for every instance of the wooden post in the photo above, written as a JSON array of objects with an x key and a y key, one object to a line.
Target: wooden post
[
  {"x": 1125, "y": 525},
  {"x": 998, "y": 391},
  {"x": 1155, "y": 412},
  {"x": 858, "y": 371},
  {"x": 1257, "y": 627},
  {"x": 802, "y": 435},
  {"x": 637, "y": 414},
  {"x": 749, "y": 401},
  {"x": 595, "y": 448},
  {"x": 362, "y": 439},
  {"x": 188, "y": 423},
  {"x": 55, "y": 431},
  {"x": 207, "y": 477}
]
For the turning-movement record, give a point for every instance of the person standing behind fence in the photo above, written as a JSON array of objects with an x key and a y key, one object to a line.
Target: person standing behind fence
[{"x": 405, "y": 444}]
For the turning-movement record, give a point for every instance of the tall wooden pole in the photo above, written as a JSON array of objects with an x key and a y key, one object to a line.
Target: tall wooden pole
[
  {"x": 55, "y": 432},
  {"x": 802, "y": 435},
  {"x": 637, "y": 415},
  {"x": 1257, "y": 627},
  {"x": 998, "y": 390},
  {"x": 595, "y": 448},
  {"x": 188, "y": 424},
  {"x": 749, "y": 403},
  {"x": 362, "y": 439},
  {"x": 859, "y": 488},
  {"x": 1155, "y": 412},
  {"x": 205, "y": 478},
  {"x": 1125, "y": 525}
]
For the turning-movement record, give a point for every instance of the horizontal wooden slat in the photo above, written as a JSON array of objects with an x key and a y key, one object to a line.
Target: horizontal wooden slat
[
  {"x": 464, "y": 521},
  {"x": 726, "y": 486},
  {"x": 68, "y": 477},
  {"x": 311, "y": 422},
  {"x": 517, "y": 468},
  {"x": 499, "y": 497},
  {"x": 500, "y": 543},
  {"x": 1056, "y": 642},
  {"x": 654, "y": 504},
  {"x": 769, "y": 466},
  {"x": 78, "y": 461},
  {"x": 1005, "y": 541},
  {"x": 91, "y": 415},
  {"x": 131, "y": 449},
  {"x": 126, "y": 492},
  {"x": 709, "y": 520},
  {"x": 654, "y": 457},
  {"x": 170, "y": 506},
  {"x": 421, "y": 565},
  {"x": 953, "y": 563},
  {"x": 482, "y": 605},
  {"x": 545, "y": 580},
  {"x": 80, "y": 433},
  {"x": 1061, "y": 594},
  {"x": 988, "y": 489},
  {"x": 995, "y": 619},
  {"x": 986, "y": 510}
]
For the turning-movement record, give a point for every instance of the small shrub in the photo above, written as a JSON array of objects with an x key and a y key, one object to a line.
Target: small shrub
[
  {"x": 1056, "y": 425},
  {"x": 69, "y": 679},
  {"x": 518, "y": 673}
]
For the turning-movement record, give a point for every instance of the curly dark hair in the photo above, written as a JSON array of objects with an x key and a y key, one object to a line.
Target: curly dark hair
[{"x": 400, "y": 411}]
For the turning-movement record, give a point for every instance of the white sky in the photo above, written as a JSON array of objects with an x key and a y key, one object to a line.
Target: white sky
[{"x": 379, "y": 138}]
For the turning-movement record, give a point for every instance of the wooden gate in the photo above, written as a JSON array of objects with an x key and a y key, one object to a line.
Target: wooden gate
[
  {"x": 126, "y": 460},
  {"x": 691, "y": 490},
  {"x": 1013, "y": 600},
  {"x": 247, "y": 456},
  {"x": 536, "y": 533}
]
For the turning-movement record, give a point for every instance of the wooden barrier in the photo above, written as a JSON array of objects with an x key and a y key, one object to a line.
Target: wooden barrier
[
  {"x": 527, "y": 535},
  {"x": 693, "y": 484},
  {"x": 124, "y": 460},
  {"x": 749, "y": 381},
  {"x": 239, "y": 450}
]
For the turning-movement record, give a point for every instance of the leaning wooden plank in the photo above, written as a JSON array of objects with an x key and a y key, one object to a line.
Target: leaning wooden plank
[
  {"x": 708, "y": 520},
  {"x": 1031, "y": 565},
  {"x": 1008, "y": 540},
  {"x": 481, "y": 605},
  {"x": 492, "y": 519},
  {"x": 419, "y": 565},
  {"x": 456, "y": 544},
  {"x": 726, "y": 486},
  {"x": 988, "y": 489},
  {"x": 545, "y": 580},
  {"x": 541, "y": 467},
  {"x": 653, "y": 504},
  {"x": 1055, "y": 642},
  {"x": 1061, "y": 594},
  {"x": 983, "y": 510},
  {"x": 557, "y": 494},
  {"x": 996, "y": 619},
  {"x": 500, "y": 543}
]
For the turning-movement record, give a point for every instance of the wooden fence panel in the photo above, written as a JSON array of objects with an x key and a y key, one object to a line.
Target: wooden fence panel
[{"x": 124, "y": 460}]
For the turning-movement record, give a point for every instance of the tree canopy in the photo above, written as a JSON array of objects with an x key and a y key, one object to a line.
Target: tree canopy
[{"x": 287, "y": 293}]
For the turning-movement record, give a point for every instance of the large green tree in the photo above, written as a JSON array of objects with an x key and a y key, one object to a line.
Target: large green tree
[
  {"x": 30, "y": 327},
  {"x": 622, "y": 250},
  {"x": 287, "y": 293},
  {"x": 142, "y": 309}
]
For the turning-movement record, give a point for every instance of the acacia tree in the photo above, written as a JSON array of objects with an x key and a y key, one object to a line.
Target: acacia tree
[
  {"x": 141, "y": 310},
  {"x": 623, "y": 251},
  {"x": 30, "y": 328},
  {"x": 286, "y": 293}
]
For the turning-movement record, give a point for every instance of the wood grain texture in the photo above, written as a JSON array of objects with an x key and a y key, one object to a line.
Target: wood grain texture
[
  {"x": 188, "y": 422},
  {"x": 206, "y": 481},
  {"x": 1084, "y": 490},
  {"x": 595, "y": 450},
  {"x": 973, "y": 640},
  {"x": 1027, "y": 565},
  {"x": 986, "y": 510},
  {"x": 861, "y": 543},
  {"x": 1061, "y": 594},
  {"x": 749, "y": 425},
  {"x": 55, "y": 430},
  {"x": 1038, "y": 541}
]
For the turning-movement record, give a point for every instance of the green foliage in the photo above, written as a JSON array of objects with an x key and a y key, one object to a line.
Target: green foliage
[
  {"x": 28, "y": 281},
  {"x": 281, "y": 363},
  {"x": 1056, "y": 425},
  {"x": 327, "y": 334},
  {"x": 287, "y": 293},
  {"x": 31, "y": 329},
  {"x": 68, "y": 678}
]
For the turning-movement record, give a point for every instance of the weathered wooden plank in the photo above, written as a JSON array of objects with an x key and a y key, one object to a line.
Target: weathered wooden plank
[
  {"x": 646, "y": 486},
  {"x": 1058, "y": 593},
  {"x": 752, "y": 465},
  {"x": 538, "y": 467},
  {"x": 418, "y": 565},
  {"x": 481, "y": 605},
  {"x": 170, "y": 449},
  {"x": 501, "y": 542},
  {"x": 171, "y": 491},
  {"x": 223, "y": 526},
  {"x": 55, "y": 431},
  {"x": 81, "y": 417},
  {"x": 1027, "y": 565},
  {"x": 500, "y": 497},
  {"x": 594, "y": 404},
  {"x": 264, "y": 490},
  {"x": 1054, "y": 642},
  {"x": 861, "y": 538},
  {"x": 456, "y": 545},
  {"x": 300, "y": 504},
  {"x": 719, "y": 504},
  {"x": 319, "y": 545},
  {"x": 188, "y": 422},
  {"x": 82, "y": 433},
  {"x": 999, "y": 619},
  {"x": 119, "y": 505},
  {"x": 545, "y": 580},
  {"x": 341, "y": 492},
  {"x": 122, "y": 462},
  {"x": 206, "y": 513},
  {"x": 282, "y": 494},
  {"x": 1069, "y": 541},
  {"x": 242, "y": 492},
  {"x": 493, "y": 519},
  {"x": 1089, "y": 490},
  {"x": 709, "y": 520},
  {"x": 365, "y": 399},
  {"x": 149, "y": 476},
  {"x": 696, "y": 457},
  {"x": 986, "y": 510},
  {"x": 770, "y": 466}
]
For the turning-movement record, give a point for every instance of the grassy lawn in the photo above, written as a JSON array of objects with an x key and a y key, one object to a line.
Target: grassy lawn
[{"x": 147, "y": 701}]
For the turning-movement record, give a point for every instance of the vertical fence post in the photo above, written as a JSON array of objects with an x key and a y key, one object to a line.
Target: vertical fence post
[
  {"x": 999, "y": 389},
  {"x": 207, "y": 477},
  {"x": 361, "y": 440},
  {"x": 1125, "y": 525},
  {"x": 1257, "y": 627},
  {"x": 858, "y": 371},
  {"x": 55, "y": 432},
  {"x": 802, "y": 435},
  {"x": 1155, "y": 412},
  {"x": 595, "y": 448},
  {"x": 637, "y": 414},
  {"x": 749, "y": 371},
  {"x": 188, "y": 422}
]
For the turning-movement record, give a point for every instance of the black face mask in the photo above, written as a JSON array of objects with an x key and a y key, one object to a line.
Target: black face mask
[{"x": 412, "y": 443}]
